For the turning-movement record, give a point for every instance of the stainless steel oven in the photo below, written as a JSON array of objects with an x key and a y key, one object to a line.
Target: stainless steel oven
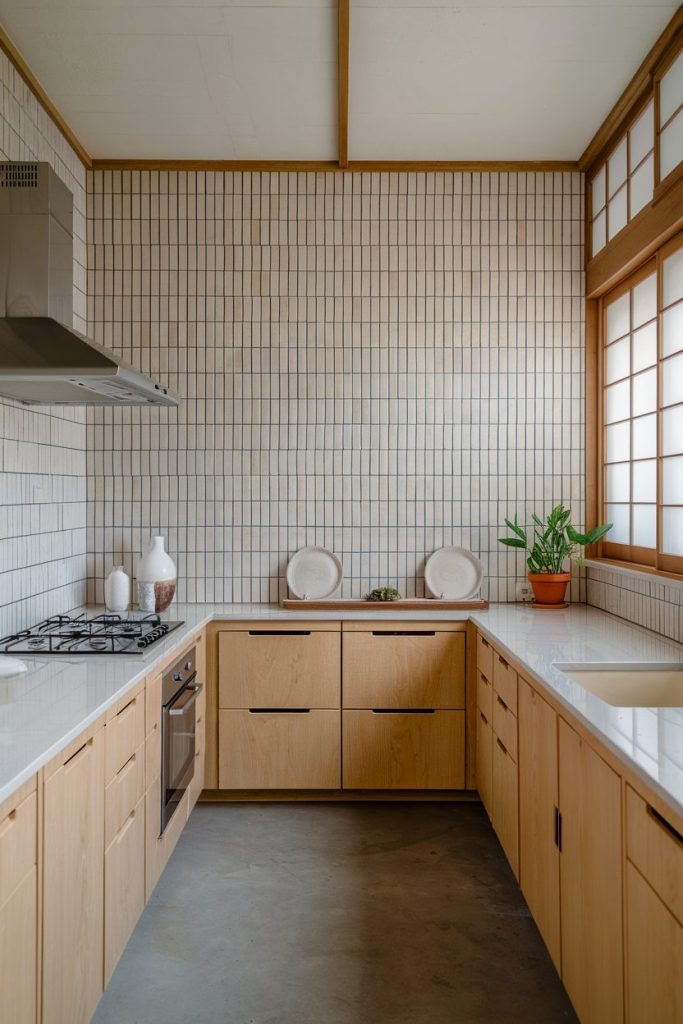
[{"x": 179, "y": 692}]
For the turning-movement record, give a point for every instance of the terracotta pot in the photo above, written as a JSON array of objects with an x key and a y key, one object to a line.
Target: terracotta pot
[{"x": 550, "y": 588}]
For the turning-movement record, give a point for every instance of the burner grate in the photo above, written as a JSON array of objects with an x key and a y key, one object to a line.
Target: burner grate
[{"x": 102, "y": 634}]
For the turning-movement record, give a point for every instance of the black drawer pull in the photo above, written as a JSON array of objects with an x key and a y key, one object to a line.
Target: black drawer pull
[
  {"x": 279, "y": 711},
  {"x": 403, "y": 711},
  {"x": 404, "y": 632},
  {"x": 502, "y": 703},
  {"x": 501, "y": 745},
  {"x": 503, "y": 661},
  {"x": 279, "y": 632},
  {"x": 663, "y": 823},
  {"x": 483, "y": 718}
]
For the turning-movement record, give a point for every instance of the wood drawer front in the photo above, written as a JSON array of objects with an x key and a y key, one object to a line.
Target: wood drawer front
[
  {"x": 153, "y": 704},
  {"x": 124, "y": 791},
  {"x": 153, "y": 755},
  {"x": 19, "y": 953},
  {"x": 484, "y": 657},
  {"x": 505, "y": 726},
  {"x": 285, "y": 750},
  {"x": 654, "y": 954},
  {"x": 484, "y": 779},
  {"x": 654, "y": 846},
  {"x": 18, "y": 844},
  {"x": 269, "y": 668},
  {"x": 411, "y": 668},
  {"x": 505, "y": 682},
  {"x": 505, "y": 817},
  {"x": 124, "y": 886},
  {"x": 123, "y": 734},
  {"x": 485, "y": 696},
  {"x": 404, "y": 750}
]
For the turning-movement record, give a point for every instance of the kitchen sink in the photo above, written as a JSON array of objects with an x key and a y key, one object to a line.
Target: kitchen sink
[{"x": 631, "y": 686}]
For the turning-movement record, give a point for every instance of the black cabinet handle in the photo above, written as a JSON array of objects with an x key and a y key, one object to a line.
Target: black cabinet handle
[
  {"x": 501, "y": 745},
  {"x": 663, "y": 823},
  {"x": 403, "y": 711},
  {"x": 404, "y": 632},
  {"x": 279, "y": 711},
  {"x": 279, "y": 632},
  {"x": 502, "y": 703},
  {"x": 558, "y": 829}
]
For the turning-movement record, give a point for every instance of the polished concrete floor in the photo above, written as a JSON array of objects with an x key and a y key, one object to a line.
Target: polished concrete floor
[{"x": 336, "y": 914}]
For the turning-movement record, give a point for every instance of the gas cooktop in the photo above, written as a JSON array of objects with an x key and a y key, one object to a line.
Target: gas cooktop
[{"x": 78, "y": 634}]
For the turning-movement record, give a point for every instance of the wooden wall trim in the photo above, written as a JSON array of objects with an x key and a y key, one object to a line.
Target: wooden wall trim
[
  {"x": 593, "y": 418},
  {"x": 343, "y": 30},
  {"x": 22, "y": 68},
  {"x": 373, "y": 166},
  {"x": 618, "y": 117}
]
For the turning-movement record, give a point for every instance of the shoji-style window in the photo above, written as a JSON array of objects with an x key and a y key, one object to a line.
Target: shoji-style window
[
  {"x": 642, "y": 414},
  {"x": 670, "y": 117}
]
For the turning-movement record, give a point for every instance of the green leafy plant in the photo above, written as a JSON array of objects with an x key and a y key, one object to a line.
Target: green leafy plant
[
  {"x": 383, "y": 594},
  {"x": 553, "y": 541}
]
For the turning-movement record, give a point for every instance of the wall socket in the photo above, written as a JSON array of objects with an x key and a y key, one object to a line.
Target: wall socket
[{"x": 523, "y": 591}]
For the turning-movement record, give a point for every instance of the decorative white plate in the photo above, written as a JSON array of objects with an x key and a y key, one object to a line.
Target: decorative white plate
[
  {"x": 454, "y": 574},
  {"x": 314, "y": 573}
]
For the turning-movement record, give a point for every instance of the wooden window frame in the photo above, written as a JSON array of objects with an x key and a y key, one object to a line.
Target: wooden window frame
[
  {"x": 631, "y": 556},
  {"x": 676, "y": 174}
]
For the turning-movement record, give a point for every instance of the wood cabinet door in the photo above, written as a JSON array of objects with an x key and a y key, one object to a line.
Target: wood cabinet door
[
  {"x": 539, "y": 855},
  {"x": 505, "y": 816},
  {"x": 484, "y": 778},
  {"x": 124, "y": 886},
  {"x": 73, "y": 895},
  {"x": 654, "y": 956},
  {"x": 590, "y": 881},
  {"x": 404, "y": 750},
  {"x": 19, "y": 908},
  {"x": 401, "y": 668}
]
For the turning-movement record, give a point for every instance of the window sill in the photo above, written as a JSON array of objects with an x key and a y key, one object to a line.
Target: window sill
[{"x": 642, "y": 573}]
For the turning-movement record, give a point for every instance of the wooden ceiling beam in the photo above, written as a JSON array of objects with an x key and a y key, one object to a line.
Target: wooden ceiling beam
[{"x": 343, "y": 27}]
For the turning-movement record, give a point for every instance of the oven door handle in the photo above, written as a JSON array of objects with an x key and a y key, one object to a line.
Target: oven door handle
[{"x": 187, "y": 699}]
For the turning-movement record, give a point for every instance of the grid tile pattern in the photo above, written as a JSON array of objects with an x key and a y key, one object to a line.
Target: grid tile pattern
[
  {"x": 42, "y": 448},
  {"x": 643, "y": 599},
  {"x": 378, "y": 363}
]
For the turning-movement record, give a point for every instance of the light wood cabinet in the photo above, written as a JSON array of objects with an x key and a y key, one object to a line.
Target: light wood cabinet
[
  {"x": 485, "y": 696},
  {"x": 484, "y": 737},
  {"x": 279, "y": 749},
  {"x": 654, "y": 955},
  {"x": 19, "y": 906},
  {"x": 505, "y": 810},
  {"x": 269, "y": 667},
  {"x": 655, "y": 846},
  {"x": 123, "y": 793},
  {"x": 73, "y": 902},
  {"x": 505, "y": 681},
  {"x": 404, "y": 750},
  {"x": 124, "y": 886},
  {"x": 539, "y": 855},
  {"x": 590, "y": 881},
  {"x": 485, "y": 657},
  {"x": 124, "y": 733},
  {"x": 411, "y": 667}
]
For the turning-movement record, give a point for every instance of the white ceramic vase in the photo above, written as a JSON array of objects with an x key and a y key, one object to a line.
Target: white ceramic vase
[
  {"x": 157, "y": 568},
  {"x": 117, "y": 590}
]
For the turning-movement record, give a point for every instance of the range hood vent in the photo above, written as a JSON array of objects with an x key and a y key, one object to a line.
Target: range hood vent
[{"x": 43, "y": 360}]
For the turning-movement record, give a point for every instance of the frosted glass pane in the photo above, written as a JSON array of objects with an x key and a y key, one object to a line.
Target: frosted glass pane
[
  {"x": 618, "y": 515},
  {"x": 598, "y": 191},
  {"x": 618, "y": 360},
  {"x": 616, "y": 214},
  {"x": 645, "y": 300},
  {"x": 672, "y": 481},
  {"x": 671, "y": 146},
  {"x": 672, "y": 531},
  {"x": 645, "y": 392},
  {"x": 618, "y": 442},
  {"x": 644, "y": 438},
  {"x": 642, "y": 135},
  {"x": 673, "y": 278},
  {"x": 644, "y": 347},
  {"x": 672, "y": 330},
  {"x": 598, "y": 233},
  {"x": 642, "y": 185},
  {"x": 616, "y": 168},
  {"x": 645, "y": 480},
  {"x": 618, "y": 481},
  {"x": 619, "y": 318},
  {"x": 645, "y": 526},
  {"x": 672, "y": 380},
  {"x": 617, "y": 402},
  {"x": 672, "y": 431},
  {"x": 671, "y": 90}
]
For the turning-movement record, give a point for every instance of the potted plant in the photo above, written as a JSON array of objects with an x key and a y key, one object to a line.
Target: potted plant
[{"x": 553, "y": 543}]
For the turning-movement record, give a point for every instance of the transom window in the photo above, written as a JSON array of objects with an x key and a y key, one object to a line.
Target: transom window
[{"x": 642, "y": 414}]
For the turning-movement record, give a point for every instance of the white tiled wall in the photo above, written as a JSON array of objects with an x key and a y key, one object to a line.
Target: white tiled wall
[
  {"x": 379, "y": 363},
  {"x": 647, "y": 600},
  {"x": 42, "y": 449}
]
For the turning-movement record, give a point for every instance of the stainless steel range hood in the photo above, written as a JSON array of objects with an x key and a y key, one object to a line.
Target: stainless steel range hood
[{"x": 42, "y": 360}]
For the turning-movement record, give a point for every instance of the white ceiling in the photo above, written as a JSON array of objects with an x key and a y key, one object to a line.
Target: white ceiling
[{"x": 256, "y": 79}]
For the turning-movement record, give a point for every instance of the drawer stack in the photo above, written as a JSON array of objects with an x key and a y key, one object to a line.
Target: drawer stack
[
  {"x": 19, "y": 905},
  {"x": 403, "y": 701},
  {"x": 124, "y": 824},
  {"x": 279, "y": 706}
]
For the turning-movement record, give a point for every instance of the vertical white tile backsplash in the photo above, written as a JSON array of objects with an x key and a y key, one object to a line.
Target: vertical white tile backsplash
[
  {"x": 42, "y": 448},
  {"x": 378, "y": 363},
  {"x": 644, "y": 599}
]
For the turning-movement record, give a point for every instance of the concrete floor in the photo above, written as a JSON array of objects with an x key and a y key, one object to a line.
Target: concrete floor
[{"x": 336, "y": 914}]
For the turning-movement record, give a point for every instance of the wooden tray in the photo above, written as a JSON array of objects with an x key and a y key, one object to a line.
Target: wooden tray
[{"x": 404, "y": 604}]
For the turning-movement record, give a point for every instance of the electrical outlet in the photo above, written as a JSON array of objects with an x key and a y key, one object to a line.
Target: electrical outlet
[{"x": 523, "y": 591}]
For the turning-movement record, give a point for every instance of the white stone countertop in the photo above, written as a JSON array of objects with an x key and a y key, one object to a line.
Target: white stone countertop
[{"x": 43, "y": 710}]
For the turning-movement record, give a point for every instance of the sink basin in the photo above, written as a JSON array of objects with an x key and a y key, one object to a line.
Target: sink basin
[{"x": 631, "y": 686}]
